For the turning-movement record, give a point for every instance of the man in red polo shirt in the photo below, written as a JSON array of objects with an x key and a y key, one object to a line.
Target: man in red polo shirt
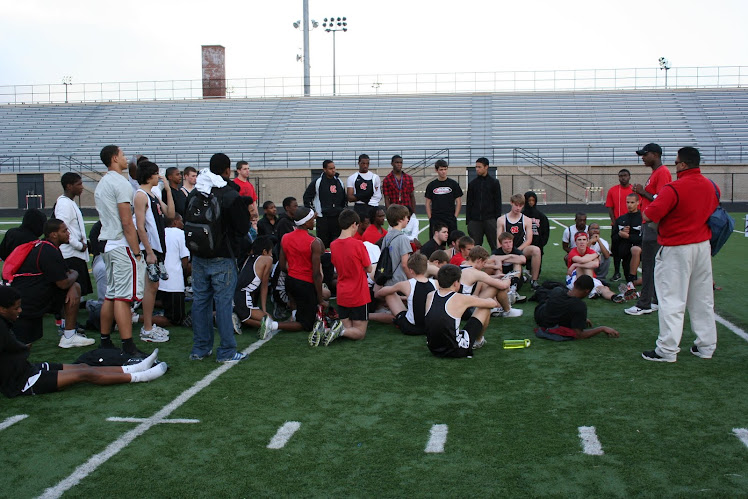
[
  {"x": 652, "y": 157},
  {"x": 616, "y": 204},
  {"x": 683, "y": 270}
]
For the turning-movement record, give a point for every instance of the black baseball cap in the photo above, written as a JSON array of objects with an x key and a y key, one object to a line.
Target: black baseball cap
[{"x": 651, "y": 147}]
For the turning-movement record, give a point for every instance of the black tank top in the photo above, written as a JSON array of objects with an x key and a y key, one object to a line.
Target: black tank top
[
  {"x": 363, "y": 189},
  {"x": 443, "y": 333},
  {"x": 516, "y": 229}
]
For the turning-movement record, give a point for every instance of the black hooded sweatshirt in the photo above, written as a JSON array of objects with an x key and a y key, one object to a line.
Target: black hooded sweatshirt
[
  {"x": 541, "y": 232},
  {"x": 31, "y": 229}
]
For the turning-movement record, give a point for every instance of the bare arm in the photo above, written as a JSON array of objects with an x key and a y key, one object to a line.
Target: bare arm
[
  {"x": 427, "y": 203},
  {"x": 125, "y": 214},
  {"x": 168, "y": 207},
  {"x": 527, "y": 223},
  {"x": 267, "y": 264},
  {"x": 588, "y": 333},
  {"x": 391, "y": 290},
  {"x": 612, "y": 216},
  {"x": 585, "y": 258},
  {"x": 351, "y": 196},
  {"x": 141, "y": 206},
  {"x": 68, "y": 281}
]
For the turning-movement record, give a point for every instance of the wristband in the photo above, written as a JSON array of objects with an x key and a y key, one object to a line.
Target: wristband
[{"x": 136, "y": 255}]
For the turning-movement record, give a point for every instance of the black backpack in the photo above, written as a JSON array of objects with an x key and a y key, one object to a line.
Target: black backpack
[
  {"x": 203, "y": 230},
  {"x": 385, "y": 270}
]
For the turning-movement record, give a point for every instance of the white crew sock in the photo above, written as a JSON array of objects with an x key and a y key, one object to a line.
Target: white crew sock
[
  {"x": 149, "y": 375},
  {"x": 143, "y": 365},
  {"x": 69, "y": 333},
  {"x": 273, "y": 325}
]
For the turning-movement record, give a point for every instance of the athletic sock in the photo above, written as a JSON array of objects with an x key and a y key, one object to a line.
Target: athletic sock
[
  {"x": 144, "y": 365},
  {"x": 150, "y": 374},
  {"x": 273, "y": 325},
  {"x": 69, "y": 333}
]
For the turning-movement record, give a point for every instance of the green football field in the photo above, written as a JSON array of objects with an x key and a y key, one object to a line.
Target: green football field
[{"x": 384, "y": 418}]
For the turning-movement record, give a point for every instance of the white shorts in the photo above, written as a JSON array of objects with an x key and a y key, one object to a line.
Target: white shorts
[
  {"x": 125, "y": 275},
  {"x": 597, "y": 284}
]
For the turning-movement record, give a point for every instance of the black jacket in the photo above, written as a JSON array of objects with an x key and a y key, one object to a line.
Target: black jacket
[
  {"x": 31, "y": 229},
  {"x": 483, "y": 199}
]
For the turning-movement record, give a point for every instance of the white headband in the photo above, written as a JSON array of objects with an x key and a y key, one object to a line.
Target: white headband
[{"x": 304, "y": 220}]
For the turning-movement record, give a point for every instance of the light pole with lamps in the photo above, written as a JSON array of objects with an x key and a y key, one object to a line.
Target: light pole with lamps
[
  {"x": 664, "y": 64},
  {"x": 333, "y": 25},
  {"x": 305, "y": 28},
  {"x": 67, "y": 80}
]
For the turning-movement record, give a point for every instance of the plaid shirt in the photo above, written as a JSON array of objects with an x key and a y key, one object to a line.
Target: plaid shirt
[{"x": 401, "y": 195}]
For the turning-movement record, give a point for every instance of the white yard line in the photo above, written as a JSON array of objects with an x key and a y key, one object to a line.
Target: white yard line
[
  {"x": 590, "y": 443},
  {"x": 742, "y": 434},
  {"x": 437, "y": 439},
  {"x": 144, "y": 420},
  {"x": 12, "y": 420},
  {"x": 732, "y": 327},
  {"x": 284, "y": 434},
  {"x": 85, "y": 469}
]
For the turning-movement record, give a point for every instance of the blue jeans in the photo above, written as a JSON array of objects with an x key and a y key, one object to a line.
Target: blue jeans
[{"x": 213, "y": 279}]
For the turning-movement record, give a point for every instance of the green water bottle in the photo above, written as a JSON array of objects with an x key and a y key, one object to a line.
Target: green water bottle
[{"x": 509, "y": 344}]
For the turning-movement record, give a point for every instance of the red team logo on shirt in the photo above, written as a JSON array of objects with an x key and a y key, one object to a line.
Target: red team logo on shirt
[
  {"x": 514, "y": 229},
  {"x": 333, "y": 189},
  {"x": 362, "y": 186}
]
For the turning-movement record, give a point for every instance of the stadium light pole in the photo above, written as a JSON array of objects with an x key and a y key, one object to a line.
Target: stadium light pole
[
  {"x": 333, "y": 25},
  {"x": 664, "y": 64},
  {"x": 305, "y": 29},
  {"x": 67, "y": 80}
]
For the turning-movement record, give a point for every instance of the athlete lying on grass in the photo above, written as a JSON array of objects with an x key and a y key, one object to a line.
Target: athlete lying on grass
[{"x": 19, "y": 377}]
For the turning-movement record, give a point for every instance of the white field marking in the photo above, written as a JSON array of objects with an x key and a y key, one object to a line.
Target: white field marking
[
  {"x": 590, "y": 443},
  {"x": 742, "y": 434},
  {"x": 12, "y": 420},
  {"x": 284, "y": 434},
  {"x": 115, "y": 447},
  {"x": 144, "y": 420},
  {"x": 437, "y": 439},
  {"x": 732, "y": 327}
]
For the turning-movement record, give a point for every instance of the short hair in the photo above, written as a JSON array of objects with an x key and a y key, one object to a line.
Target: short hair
[
  {"x": 396, "y": 156},
  {"x": 145, "y": 170},
  {"x": 464, "y": 242},
  {"x": 8, "y": 296},
  {"x": 170, "y": 170},
  {"x": 239, "y": 164},
  {"x": 454, "y": 236},
  {"x": 302, "y": 212},
  {"x": 267, "y": 204},
  {"x": 262, "y": 243},
  {"x": 478, "y": 253},
  {"x": 623, "y": 170},
  {"x": 690, "y": 156},
  {"x": 219, "y": 162},
  {"x": 363, "y": 156},
  {"x": 595, "y": 224},
  {"x": 483, "y": 161},
  {"x": 580, "y": 234},
  {"x": 448, "y": 275},
  {"x": 418, "y": 263},
  {"x": 441, "y": 163},
  {"x": 440, "y": 256},
  {"x": 52, "y": 225},
  {"x": 347, "y": 218},
  {"x": 505, "y": 235},
  {"x": 287, "y": 201},
  {"x": 633, "y": 195},
  {"x": 517, "y": 199},
  {"x": 107, "y": 153},
  {"x": 69, "y": 178},
  {"x": 580, "y": 214},
  {"x": 189, "y": 170},
  {"x": 438, "y": 226},
  {"x": 395, "y": 213},
  {"x": 326, "y": 162},
  {"x": 584, "y": 283}
]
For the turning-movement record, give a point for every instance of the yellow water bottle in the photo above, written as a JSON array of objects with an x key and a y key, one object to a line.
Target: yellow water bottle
[{"x": 510, "y": 344}]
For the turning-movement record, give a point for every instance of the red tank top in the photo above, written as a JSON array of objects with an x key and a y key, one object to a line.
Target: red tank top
[{"x": 297, "y": 246}]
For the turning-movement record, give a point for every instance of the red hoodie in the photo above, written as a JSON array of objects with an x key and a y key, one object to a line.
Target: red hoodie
[{"x": 682, "y": 209}]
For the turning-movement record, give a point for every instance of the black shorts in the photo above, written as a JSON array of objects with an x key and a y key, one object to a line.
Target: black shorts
[
  {"x": 305, "y": 296},
  {"x": 43, "y": 379},
  {"x": 84, "y": 279},
  {"x": 173, "y": 303},
  {"x": 360, "y": 313},
  {"x": 243, "y": 308},
  {"x": 402, "y": 322}
]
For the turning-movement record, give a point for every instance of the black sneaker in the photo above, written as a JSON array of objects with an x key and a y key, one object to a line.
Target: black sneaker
[
  {"x": 652, "y": 355},
  {"x": 107, "y": 344},
  {"x": 534, "y": 285},
  {"x": 695, "y": 350},
  {"x": 616, "y": 277}
]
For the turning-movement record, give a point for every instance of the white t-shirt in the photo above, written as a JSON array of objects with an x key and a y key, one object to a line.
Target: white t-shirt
[
  {"x": 176, "y": 249},
  {"x": 67, "y": 211},
  {"x": 376, "y": 183},
  {"x": 569, "y": 234},
  {"x": 597, "y": 249},
  {"x": 411, "y": 230},
  {"x": 113, "y": 189}
]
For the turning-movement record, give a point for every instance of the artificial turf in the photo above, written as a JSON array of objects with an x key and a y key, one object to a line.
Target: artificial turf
[{"x": 366, "y": 409}]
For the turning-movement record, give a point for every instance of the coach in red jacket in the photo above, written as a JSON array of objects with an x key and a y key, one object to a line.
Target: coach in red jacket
[{"x": 683, "y": 269}]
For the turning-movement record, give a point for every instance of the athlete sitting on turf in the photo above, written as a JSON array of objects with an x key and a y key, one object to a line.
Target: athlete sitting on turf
[
  {"x": 444, "y": 308},
  {"x": 410, "y": 319},
  {"x": 464, "y": 245},
  {"x": 19, "y": 377},
  {"x": 475, "y": 281},
  {"x": 351, "y": 259},
  {"x": 251, "y": 295},
  {"x": 507, "y": 260},
  {"x": 562, "y": 315},
  {"x": 583, "y": 260}
]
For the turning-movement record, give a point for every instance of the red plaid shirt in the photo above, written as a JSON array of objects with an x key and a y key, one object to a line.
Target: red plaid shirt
[{"x": 401, "y": 194}]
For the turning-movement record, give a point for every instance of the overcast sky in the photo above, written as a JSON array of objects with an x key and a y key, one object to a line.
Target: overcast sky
[{"x": 103, "y": 41}]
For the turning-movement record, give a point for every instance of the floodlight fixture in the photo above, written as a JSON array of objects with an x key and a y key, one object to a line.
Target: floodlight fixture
[{"x": 332, "y": 25}]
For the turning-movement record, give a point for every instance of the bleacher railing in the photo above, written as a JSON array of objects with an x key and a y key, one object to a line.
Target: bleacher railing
[{"x": 390, "y": 84}]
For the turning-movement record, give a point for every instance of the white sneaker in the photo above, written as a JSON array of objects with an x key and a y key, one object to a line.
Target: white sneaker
[
  {"x": 155, "y": 335},
  {"x": 655, "y": 307},
  {"x": 497, "y": 311},
  {"x": 237, "y": 324},
  {"x": 479, "y": 344},
  {"x": 514, "y": 312},
  {"x": 77, "y": 340},
  {"x": 638, "y": 311}
]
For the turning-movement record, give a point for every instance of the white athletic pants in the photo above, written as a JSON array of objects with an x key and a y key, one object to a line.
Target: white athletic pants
[{"x": 683, "y": 279}]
